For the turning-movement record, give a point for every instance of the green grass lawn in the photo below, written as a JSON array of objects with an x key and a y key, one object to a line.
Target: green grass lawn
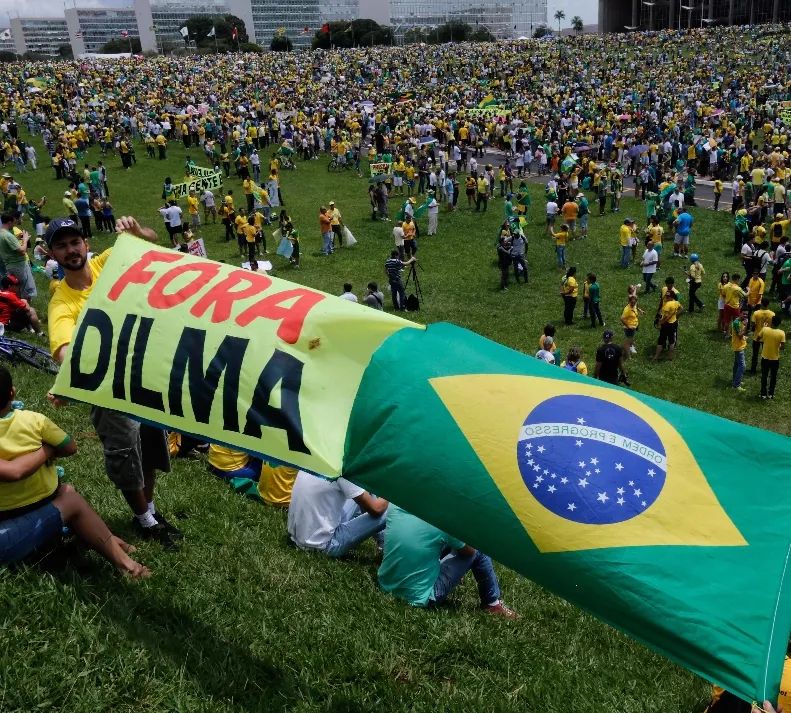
[{"x": 239, "y": 621}]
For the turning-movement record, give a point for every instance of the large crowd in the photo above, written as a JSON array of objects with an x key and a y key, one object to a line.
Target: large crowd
[{"x": 587, "y": 116}]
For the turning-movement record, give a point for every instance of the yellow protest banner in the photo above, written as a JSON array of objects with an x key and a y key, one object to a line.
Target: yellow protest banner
[
  {"x": 382, "y": 168},
  {"x": 200, "y": 171},
  {"x": 241, "y": 358}
]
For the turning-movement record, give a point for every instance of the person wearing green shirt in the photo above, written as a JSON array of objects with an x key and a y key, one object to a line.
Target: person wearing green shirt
[
  {"x": 582, "y": 214},
  {"x": 13, "y": 255},
  {"x": 785, "y": 285},
  {"x": 413, "y": 567},
  {"x": 509, "y": 207},
  {"x": 594, "y": 299}
]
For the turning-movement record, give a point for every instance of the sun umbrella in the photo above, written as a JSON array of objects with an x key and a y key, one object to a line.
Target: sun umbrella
[
  {"x": 624, "y": 117},
  {"x": 579, "y": 146},
  {"x": 637, "y": 150}
]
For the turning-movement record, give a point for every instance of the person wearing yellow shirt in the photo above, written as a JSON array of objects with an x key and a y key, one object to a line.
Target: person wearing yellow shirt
[
  {"x": 774, "y": 340},
  {"x": 34, "y": 505},
  {"x": 760, "y": 318},
  {"x": 777, "y": 229},
  {"x": 133, "y": 451},
  {"x": 668, "y": 325},
  {"x": 718, "y": 188},
  {"x": 561, "y": 240},
  {"x": 574, "y": 362},
  {"x": 192, "y": 209},
  {"x": 250, "y": 232},
  {"x": 399, "y": 168},
  {"x": 738, "y": 345},
  {"x": 569, "y": 291},
  {"x": 695, "y": 275},
  {"x": 162, "y": 145},
  {"x": 755, "y": 291},
  {"x": 227, "y": 463},
  {"x": 247, "y": 187},
  {"x": 732, "y": 294},
  {"x": 630, "y": 319},
  {"x": 240, "y": 222},
  {"x": 625, "y": 235},
  {"x": 276, "y": 484}
]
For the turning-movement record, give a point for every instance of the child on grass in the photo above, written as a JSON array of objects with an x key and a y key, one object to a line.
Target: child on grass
[{"x": 34, "y": 505}]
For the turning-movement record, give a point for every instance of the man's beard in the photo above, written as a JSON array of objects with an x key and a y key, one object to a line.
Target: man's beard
[{"x": 71, "y": 268}]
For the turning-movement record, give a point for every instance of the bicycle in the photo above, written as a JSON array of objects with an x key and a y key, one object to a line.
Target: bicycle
[
  {"x": 286, "y": 163},
  {"x": 15, "y": 351}
]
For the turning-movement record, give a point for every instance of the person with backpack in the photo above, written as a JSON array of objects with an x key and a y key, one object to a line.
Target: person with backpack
[
  {"x": 574, "y": 362},
  {"x": 609, "y": 361}
]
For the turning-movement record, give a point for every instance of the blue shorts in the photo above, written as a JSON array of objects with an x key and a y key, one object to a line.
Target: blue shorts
[
  {"x": 22, "y": 535},
  {"x": 252, "y": 471}
]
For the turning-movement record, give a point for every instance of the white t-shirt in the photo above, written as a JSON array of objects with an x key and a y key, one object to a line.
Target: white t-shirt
[
  {"x": 316, "y": 508},
  {"x": 398, "y": 235},
  {"x": 546, "y": 356},
  {"x": 349, "y": 296},
  {"x": 650, "y": 256},
  {"x": 552, "y": 208}
]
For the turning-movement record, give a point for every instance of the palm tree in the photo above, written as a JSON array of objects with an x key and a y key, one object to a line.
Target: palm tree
[
  {"x": 577, "y": 24},
  {"x": 559, "y": 15}
]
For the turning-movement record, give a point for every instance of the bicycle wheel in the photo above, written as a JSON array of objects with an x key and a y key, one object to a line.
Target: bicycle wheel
[
  {"x": 35, "y": 357},
  {"x": 332, "y": 166}
]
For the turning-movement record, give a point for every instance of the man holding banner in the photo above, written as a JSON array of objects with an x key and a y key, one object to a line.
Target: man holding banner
[{"x": 133, "y": 451}]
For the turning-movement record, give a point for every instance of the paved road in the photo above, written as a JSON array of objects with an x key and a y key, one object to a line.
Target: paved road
[{"x": 704, "y": 192}]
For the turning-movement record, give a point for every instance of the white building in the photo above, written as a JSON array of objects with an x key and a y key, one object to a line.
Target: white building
[
  {"x": 6, "y": 40},
  {"x": 159, "y": 21},
  {"x": 91, "y": 28},
  {"x": 42, "y": 35}
]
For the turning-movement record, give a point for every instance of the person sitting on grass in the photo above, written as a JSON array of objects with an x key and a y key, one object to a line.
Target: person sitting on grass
[
  {"x": 228, "y": 463},
  {"x": 333, "y": 516},
  {"x": 16, "y": 314},
  {"x": 276, "y": 484},
  {"x": 34, "y": 505},
  {"x": 423, "y": 565}
]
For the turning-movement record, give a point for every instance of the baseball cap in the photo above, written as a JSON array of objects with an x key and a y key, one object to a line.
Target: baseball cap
[
  {"x": 608, "y": 334},
  {"x": 58, "y": 225},
  {"x": 67, "y": 193},
  {"x": 8, "y": 281}
]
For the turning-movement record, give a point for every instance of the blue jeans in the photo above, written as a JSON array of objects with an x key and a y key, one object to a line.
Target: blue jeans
[
  {"x": 353, "y": 529},
  {"x": 24, "y": 534},
  {"x": 454, "y": 566},
  {"x": 561, "y": 251},
  {"x": 626, "y": 252},
  {"x": 252, "y": 471},
  {"x": 739, "y": 365},
  {"x": 326, "y": 248}
]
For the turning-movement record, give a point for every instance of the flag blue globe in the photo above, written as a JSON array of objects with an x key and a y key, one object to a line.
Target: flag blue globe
[{"x": 590, "y": 461}]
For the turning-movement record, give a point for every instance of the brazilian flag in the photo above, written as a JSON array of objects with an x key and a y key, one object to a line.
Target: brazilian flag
[
  {"x": 655, "y": 518},
  {"x": 488, "y": 100}
]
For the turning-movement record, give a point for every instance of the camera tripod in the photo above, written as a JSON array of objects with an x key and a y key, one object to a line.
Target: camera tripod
[{"x": 412, "y": 275}]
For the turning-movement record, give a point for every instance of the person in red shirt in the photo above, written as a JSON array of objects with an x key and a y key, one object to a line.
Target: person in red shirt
[{"x": 15, "y": 313}]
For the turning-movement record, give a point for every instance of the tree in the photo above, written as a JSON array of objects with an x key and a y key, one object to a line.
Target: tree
[
  {"x": 577, "y": 24},
  {"x": 281, "y": 43},
  {"x": 65, "y": 52},
  {"x": 357, "y": 33},
  {"x": 541, "y": 31},
  {"x": 482, "y": 34},
  {"x": 6, "y": 56},
  {"x": 415, "y": 34},
  {"x": 200, "y": 26},
  {"x": 453, "y": 31},
  {"x": 121, "y": 46},
  {"x": 559, "y": 15}
]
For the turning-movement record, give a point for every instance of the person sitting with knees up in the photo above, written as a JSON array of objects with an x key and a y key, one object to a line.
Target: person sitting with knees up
[
  {"x": 16, "y": 314},
  {"x": 34, "y": 504}
]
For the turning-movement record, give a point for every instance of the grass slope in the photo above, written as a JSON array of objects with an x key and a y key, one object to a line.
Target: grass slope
[{"x": 239, "y": 621}]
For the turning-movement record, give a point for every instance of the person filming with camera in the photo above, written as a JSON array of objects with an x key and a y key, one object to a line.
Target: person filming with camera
[{"x": 394, "y": 266}]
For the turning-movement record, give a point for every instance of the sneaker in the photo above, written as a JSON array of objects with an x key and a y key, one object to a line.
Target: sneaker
[
  {"x": 632, "y": 349},
  {"x": 763, "y": 398},
  {"x": 158, "y": 533},
  {"x": 771, "y": 396},
  {"x": 174, "y": 532},
  {"x": 740, "y": 389},
  {"x": 499, "y": 609}
]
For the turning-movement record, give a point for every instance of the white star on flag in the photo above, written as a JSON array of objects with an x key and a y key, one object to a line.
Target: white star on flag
[
  {"x": 618, "y": 466},
  {"x": 564, "y": 480},
  {"x": 582, "y": 464},
  {"x": 602, "y": 497},
  {"x": 551, "y": 488},
  {"x": 531, "y": 462},
  {"x": 541, "y": 449},
  {"x": 581, "y": 421},
  {"x": 597, "y": 471},
  {"x": 579, "y": 443},
  {"x": 652, "y": 472},
  {"x": 583, "y": 482},
  {"x": 572, "y": 507},
  {"x": 631, "y": 483},
  {"x": 536, "y": 468},
  {"x": 643, "y": 503},
  {"x": 594, "y": 461},
  {"x": 638, "y": 492},
  {"x": 587, "y": 473},
  {"x": 620, "y": 491},
  {"x": 546, "y": 472},
  {"x": 620, "y": 501},
  {"x": 539, "y": 479}
]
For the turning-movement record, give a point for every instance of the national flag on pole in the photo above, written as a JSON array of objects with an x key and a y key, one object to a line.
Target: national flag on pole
[
  {"x": 184, "y": 32},
  {"x": 5, "y": 34},
  {"x": 234, "y": 34},
  {"x": 124, "y": 33},
  {"x": 77, "y": 35},
  {"x": 306, "y": 31},
  {"x": 325, "y": 28},
  {"x": 212, "y": 33}
]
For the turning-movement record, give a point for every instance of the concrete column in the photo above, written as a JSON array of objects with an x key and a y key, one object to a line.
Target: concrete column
[
  {"x": 73, "y": 24},
  {"x": 752, "y": 12},
  {"x": 731, "y": 12},
  {"x": 711, "y": 10},
  {"x": 671, "y": 18},
  {"x": 144, "y": 20},
  {"x": 636, "y": 13},
  {"x": 776, "y": 11}
]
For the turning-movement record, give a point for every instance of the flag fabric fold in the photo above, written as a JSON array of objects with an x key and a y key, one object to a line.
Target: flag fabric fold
[{"x": 635, "y": 509}]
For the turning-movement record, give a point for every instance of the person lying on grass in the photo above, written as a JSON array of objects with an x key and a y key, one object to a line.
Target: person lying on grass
[{"x": 34, "y": 505}]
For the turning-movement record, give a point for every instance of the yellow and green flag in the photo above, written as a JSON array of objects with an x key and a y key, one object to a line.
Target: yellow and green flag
[{"x": 651, "y": 516}]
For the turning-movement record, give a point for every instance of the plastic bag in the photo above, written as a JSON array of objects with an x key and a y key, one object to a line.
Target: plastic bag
[{"x": 348, "y": 238}]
